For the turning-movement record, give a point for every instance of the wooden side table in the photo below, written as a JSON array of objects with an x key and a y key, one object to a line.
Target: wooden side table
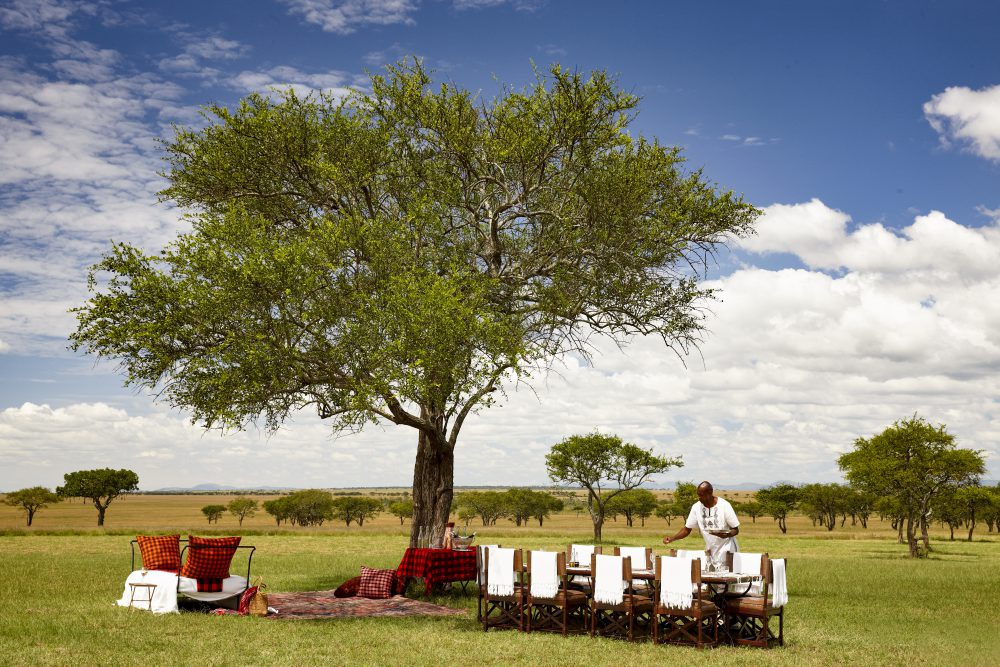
[{"x": 149, "y": 588}]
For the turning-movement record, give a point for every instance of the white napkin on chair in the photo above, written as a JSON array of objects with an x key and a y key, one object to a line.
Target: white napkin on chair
[
  {"x": 748, "y": 563},
  {"x": 483, "y": 548},
  {"x": 544, "y": 573},
  {"x": 608, "y": 580},
  {"x": 581, "y": 553},
  {"x": 779, "y": 595},
  {"x": 676, "y": 584},
  {"x": 500, "y": 576}
]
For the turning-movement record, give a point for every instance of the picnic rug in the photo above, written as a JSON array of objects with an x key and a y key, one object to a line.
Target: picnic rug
[{"x": 323, "y": 604}]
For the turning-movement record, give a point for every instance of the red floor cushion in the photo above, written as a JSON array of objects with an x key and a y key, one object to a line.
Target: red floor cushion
[
  {"x": 160, "y": 552},
  {"x": 348, "y": 589}
]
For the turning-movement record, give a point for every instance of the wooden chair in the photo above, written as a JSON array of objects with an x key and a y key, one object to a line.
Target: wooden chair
[
  {"x": 752, "y": 614},
  {"x": 697, "y": 625},
  {"x": 481, "y": 576},
  {"x": 502, "y": 610},
  {"x": 620, "y": 617},
  {"x": 554, "y": 613}
]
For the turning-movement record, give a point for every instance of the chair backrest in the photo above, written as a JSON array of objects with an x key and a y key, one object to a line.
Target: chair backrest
[
  {"x": 620, "y": 581},
  {"x": 658, "y": 568},
  {"x": 517, "y": 566},
  {"x": 745, "y": 562},
  {"x": 688, "y": 553},
  {"x": 558, "y": 571},
  {"x": 481, "y": 561},
  {"x": 641, "y": 557},
  {"x": 581, "y": 553}
]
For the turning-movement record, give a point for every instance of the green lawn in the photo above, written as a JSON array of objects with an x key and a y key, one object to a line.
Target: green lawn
[{"x": 853, "y": 601}]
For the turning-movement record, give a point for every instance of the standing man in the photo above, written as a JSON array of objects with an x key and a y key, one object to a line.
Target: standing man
[{"x": 716, "y": 520}]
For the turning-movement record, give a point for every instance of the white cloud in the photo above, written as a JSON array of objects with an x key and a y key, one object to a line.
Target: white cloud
[
  {"x": 335, "y": 83},
  {"x": 967, "y": 117},
  {"x": 346, "y": 16},
  {"x": 819, "y": 236}
]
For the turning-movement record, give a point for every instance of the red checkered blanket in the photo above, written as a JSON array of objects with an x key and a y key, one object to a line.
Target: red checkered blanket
[
  {"x": 437, "y": 566},
  {"x": 209, "y": 585}
]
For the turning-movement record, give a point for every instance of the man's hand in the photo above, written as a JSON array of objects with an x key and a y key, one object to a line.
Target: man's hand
[{"x": 666, "y": 540}]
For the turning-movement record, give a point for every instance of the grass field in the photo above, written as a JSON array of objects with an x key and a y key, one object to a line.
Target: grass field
[{"x": 855, "y": 598}]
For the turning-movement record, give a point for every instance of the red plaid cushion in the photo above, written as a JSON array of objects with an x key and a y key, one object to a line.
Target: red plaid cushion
[
  {"x": 160, "y": 552},
  {"x": 376, "y": 583},
  {"x": 209, "y": 557}
]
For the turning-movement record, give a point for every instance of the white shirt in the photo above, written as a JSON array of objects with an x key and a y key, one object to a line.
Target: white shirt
[{"x": 720, "y": 517}]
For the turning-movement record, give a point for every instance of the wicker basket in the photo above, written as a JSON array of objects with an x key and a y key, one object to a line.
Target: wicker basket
[{"x": 258, "y": 603}]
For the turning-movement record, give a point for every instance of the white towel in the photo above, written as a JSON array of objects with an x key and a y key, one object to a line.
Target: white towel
[
  {"x": 676, "y": 585},
  {"x": 544, "y": 574},
  {"x": 501, "y": 571},
  {"x": 608, "y": 584},
  {"x": 483, "y": 548},
  {"x": 637, "y": 555},
  {"x": 164, "y": 595},
  {"x": 748, "y": 563},
  {"x": 779, "y": 588},
  {"x": 581, "y": 553}
]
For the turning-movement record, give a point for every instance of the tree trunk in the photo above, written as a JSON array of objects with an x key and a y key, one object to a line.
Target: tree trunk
[
  {"x": 911, "y": 536},
  {"x": 433, "y": 476},
  {"x": 972, "y": 525},
  {"x": 598, "y": 525},
  {"x": 899, "y": 531},
  {"x": 782, "y": 525},
  {"x": 100, "y": 513},
  {"x": 925, "y": 538}
]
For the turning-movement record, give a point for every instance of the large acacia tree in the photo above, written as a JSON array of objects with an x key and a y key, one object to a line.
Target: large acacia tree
[{"x": 402, "y": 253}]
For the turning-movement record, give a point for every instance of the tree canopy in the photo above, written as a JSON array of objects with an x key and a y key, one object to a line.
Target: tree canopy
[
  {"x": 402, "y": 253},
  {"x": 31, "y": 500},
  {"x": 911, "y": 462},
  {"x": 100, "y": 486},
  {"x": 242, "y": 508},
  {"x": 596, "y": 461},
  {"x": 213, "y": 512}
]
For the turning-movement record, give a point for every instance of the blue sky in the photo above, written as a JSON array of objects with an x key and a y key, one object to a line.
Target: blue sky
[{"x": 869, "y": 133}]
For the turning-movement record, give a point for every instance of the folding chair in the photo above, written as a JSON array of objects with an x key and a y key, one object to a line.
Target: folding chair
[
  {"x": 503, "y": 609},
  {"x": 687, "y": 625},
  {"x": 752, "y": 614},
  {"x": 618, "y": 614},
  {"x": 552, "y": 613}
]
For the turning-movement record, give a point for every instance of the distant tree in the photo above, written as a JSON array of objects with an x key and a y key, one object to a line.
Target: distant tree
[
  {"x": 310, "y": 507},
  {"x": 356, "y": 509},
  {"x": 752, "y": 509},
  {"x": 100, "y": 486},
  {"x": 488, "y": 505},
  {"x": 595, "y": 460},
  {"x": 992, "y": 514},
  {"x": 242, "y": 507},
  {"x": 684, "y": 497},
  {"x": 281, "y": 509},
  {"x": 667, "y": 510},
  {"x": 974, "y": 501},
  {"x": 402, "y": 509},
  {"x": 634, "y": 504},
  {"x": 466, "y": 513},
  {"x": 213, "y": 512},
  {"x": 31, "y": 500},
  {"x": 912, "y": 462},
  {"x": 778, "y": 502},
  {"x": 546, "y": 504},
  {"x": 824, "y": 501}
]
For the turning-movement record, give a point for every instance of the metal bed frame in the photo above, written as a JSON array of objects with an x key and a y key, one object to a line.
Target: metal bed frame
[{"x": 188, "y": 546}]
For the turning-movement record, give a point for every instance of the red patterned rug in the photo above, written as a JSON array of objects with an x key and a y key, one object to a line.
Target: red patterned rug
[{"x": 323, "y": 604}]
